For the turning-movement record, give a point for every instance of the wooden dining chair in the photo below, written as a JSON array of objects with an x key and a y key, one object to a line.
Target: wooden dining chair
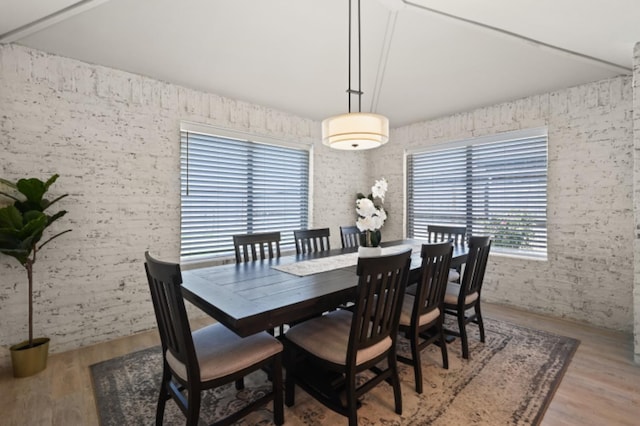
[
  {"x": 210, "y": 357},
  {"x": 422, "y": 315},
  {"x": 455, "y": 233},
  {"x": 323, "y": 355},
  {"x": 350, "y": 236},
  {"x": 251, "y": 247},
  {"x": 459, "y": 298},
  {"x": 312, "y": 240}
]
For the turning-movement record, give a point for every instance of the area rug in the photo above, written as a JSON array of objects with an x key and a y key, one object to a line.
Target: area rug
[{"x": 509, "y": 380}]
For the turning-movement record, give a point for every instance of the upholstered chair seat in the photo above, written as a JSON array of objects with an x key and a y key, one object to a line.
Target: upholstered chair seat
[
  {"x": 407, "y": 310},
  {"x": 327, "y": 337},
  {"x": 453, "y": 291},
  {"x": 221, "y": 352}
]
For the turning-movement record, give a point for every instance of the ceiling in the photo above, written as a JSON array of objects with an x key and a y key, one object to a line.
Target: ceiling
[{"x": 421, "y": 59}]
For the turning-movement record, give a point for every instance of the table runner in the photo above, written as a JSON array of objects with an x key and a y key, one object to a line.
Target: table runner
[{"x": 324, "y": 264}]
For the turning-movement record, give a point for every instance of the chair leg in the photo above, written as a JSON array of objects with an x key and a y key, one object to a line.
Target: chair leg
[
  {"x": 417, "y": 365},
  {"x": 443, "y": 348},
  {"x": 463, "y": 335},
  {"x": 352, "y": 403},
  {"x": 193, "y": 408},
  {"x": 163, "y": 396},
  {"x": 479, "y": 320},
  {"x": 395, "y": 381},
  {"x": 290, "y": 382},
  {"x": 276, "y": 374},
  {"x": 240, "y": 384}
]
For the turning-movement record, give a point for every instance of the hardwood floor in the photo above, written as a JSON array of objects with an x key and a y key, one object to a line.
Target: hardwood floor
[{"x": 601, "y": 386}]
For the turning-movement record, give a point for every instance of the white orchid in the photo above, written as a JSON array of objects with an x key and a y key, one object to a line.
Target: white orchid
[
  {"x": 371, "y": 217},
  {"x": 365, "y": 207},
  {"x": 379, "y": 189}
]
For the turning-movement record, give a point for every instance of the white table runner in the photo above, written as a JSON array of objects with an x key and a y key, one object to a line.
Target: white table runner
[{"x": 315, "y": 266}]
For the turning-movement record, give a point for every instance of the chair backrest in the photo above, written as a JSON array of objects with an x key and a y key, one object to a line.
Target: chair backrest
[
  {"x": 250, "y": 247},
  {"x": 436, "y": 261},
  {"x": 381, "y": 285},
  {"x": 312, "y": 240},
  {"x": 439, "y": 234},
  {"x": 168, "y": 304},
  {"x": 474, "y": 269},
  {"x": 350, "y": 236}
]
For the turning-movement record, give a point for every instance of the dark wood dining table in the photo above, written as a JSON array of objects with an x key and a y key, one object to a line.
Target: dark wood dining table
[{"x": 253, "y": 296}]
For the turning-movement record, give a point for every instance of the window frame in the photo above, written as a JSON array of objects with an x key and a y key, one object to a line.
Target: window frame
[
  {"x": 505, "y": 137},
  {"x": 242, "y": 138}
]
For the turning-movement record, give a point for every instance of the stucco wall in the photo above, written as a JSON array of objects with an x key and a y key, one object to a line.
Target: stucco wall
[
  {"x": 114, "y": 139},
  {"x": 636, "y": 198},
  {"x": 588, "y": 275}
]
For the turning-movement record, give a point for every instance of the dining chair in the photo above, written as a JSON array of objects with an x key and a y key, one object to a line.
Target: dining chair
[
  {"x": 260, "y": 246},
  {"x": 459, "y": 298},
  {"x": 323, "y": 355},
  {"x": 455, "y": 233},
  {"x": 312, "y": 240},
  {"x": 439, "y": 233},
  {"x": 209, "y": 357},
  {"x": 253, "y": 247},
  {"x": 422, "y": 315},
  {"x": 350, "y": 236}
]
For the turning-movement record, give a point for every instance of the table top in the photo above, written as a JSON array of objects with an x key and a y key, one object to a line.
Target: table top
[{"x": 253, "y": 296}]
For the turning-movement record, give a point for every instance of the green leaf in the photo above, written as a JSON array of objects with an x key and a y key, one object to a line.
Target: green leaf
[
  {"x": 46, "y": 204},
  {"x": 7, "y": 183},
  {"x": 9, "y": 196},
  {"x": 56, "y": 216},
  {"x": 35, "y": 226},
  {"x": 14, "y": 247},
  {"x": 51, "y": 180},
  {"x": 32, "y": 188},
  {"x": 10, "y": 217}
]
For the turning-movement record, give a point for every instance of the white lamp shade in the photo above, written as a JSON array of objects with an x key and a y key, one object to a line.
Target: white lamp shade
[{"x": 355, "y": 131}]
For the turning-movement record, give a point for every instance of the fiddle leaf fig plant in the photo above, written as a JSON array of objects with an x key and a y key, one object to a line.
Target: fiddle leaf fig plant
[{"x": 22, "y": 225}]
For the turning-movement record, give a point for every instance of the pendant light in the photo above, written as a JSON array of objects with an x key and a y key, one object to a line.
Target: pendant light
[{"x": 355, "y": 130}]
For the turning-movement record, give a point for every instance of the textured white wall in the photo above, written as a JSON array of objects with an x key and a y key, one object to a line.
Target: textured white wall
[
  {"x": 589, "y": 275},
  {"x": 636, "y": 199},
  {"x": 114, "y": 139}
]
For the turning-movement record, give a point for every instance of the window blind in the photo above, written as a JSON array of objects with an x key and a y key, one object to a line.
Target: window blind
[
  {"x": 497, "y": 188},
  {"x": 231, "y": 186}
]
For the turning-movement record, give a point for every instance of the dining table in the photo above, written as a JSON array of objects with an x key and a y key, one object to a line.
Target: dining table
[{"x": 262, "y": 295}]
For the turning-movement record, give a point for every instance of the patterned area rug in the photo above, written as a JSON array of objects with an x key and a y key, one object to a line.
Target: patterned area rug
[{"x": 508, "y": 380}]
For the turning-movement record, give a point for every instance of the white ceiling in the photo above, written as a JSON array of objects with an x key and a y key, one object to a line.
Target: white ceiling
[{"x": 421, "y": 58}]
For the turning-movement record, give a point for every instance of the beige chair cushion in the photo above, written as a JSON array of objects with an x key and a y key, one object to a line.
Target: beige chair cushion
[
  {"x": 221, "y": 352},
  {"x": 453, "y": 275},
  {"x": 327, "y": 337},
  {"x": 407, "y": 310},
  {"x": 453, "y": 290}
]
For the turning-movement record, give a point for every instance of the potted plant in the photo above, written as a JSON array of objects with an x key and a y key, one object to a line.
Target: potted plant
[
  {"x": 22, "y": 225},
  {"x": 371, "y": 217}
]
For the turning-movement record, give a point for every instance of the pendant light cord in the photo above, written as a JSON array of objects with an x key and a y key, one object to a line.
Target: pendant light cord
[
  {"x": 349, "y": 61},
  {"x": 359, "y": 64},
  {"x": 349, "y": 90}
]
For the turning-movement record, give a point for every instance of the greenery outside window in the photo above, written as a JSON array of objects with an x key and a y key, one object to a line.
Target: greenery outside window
[{"x": 494, "y": 186}]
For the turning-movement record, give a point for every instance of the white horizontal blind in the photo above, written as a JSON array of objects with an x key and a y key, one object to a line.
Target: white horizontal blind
[
  {"x": 231, "y": 186},
  {"x": 497, "y": 189}
]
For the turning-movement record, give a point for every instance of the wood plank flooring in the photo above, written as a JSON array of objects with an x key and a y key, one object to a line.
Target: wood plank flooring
[{"x": 601, "y": 386}]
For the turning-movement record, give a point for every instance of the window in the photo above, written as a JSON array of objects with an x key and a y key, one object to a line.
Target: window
[
  {"x": 232, "y": 186},
  {"x": 495, "y": 186}
]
